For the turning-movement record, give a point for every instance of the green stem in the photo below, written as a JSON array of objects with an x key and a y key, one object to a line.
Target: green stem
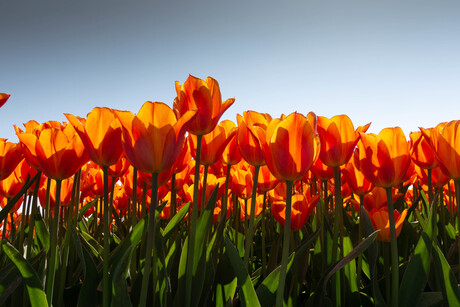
[
  {"x": 360, "y": 236},
  {"x": 394, "y": 251},
  {"x": 173, "y": 208},
  {"x": 149, "y": 248},
  {"x": 338, "y": 221},
  {"x": 264, "y": 256},
  {"x": 53, "y": 245},
  {"x": 105, "y": 273},
  {"x": 457, "y": 198},
  {"x": 250, "y": 234},
  {"x": 286, "y": 241},
  {"x": 32, "y": 218},
  {"x": 191, "y": 245},
  {"x": 134, "y": 199}
]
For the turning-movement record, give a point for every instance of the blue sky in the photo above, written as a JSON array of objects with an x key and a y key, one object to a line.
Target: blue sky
[{"x": 394, "y": 63}]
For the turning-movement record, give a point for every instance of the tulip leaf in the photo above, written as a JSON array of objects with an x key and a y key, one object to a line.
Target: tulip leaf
[
  {"x": 86, "y": 207},
  {"x": 359, "y": 249},
  {"x": 130, "y": 241},
  {"x": 266, "y": 292},
  {"x": 37, "y": 296},
  {"x": 199, "y": 258},
  {"x": 88, "y": 294},
  {"x": 418, "y": 269},
  {"x": 120, "y": 294},
  {"x": 248, "y": 294},
  {"x": 42, "y": 232},
  {"x": 449, "y": 286},
  {"x": 175, "y": 221}
]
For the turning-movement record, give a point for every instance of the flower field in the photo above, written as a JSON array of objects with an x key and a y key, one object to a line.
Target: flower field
[{"x": 173, "y": 206}]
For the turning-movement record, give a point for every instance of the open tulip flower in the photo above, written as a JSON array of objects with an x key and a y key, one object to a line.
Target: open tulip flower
[
  {"x": 101, "y": 135},
  {"x": 153, "y": 139},
  {"x": 421, "y": 152},
  {"x": 204, "y": 96},
  {"x": 356, "y": 180}
]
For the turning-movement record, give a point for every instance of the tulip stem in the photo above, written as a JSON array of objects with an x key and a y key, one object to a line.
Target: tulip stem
[
  {"x": 134, "y": 199},
  {"x": 286, "y": 241},
  {"x": 457, "y": 198},
  {"x": 338, "y": 221},
  {"x": 30, "y": 235},
  {"x": 149, "y": 247},
  {"x": 191, "y": 245},
  {"x": 250, "y": 235},
  {"x": 105, "y": 270},
  {"x": 53, "y": 244},
  {"x": 394, "y": 250}
]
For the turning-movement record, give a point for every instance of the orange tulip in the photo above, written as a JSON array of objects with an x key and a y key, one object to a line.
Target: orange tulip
[
  {"x": 3, "y": 98},
  {"x": 291, "y": 146},
  {"x": 10, "y": 156},
  {"x": 377, "y": 199},
  {"x": 266, "y": 180},
  {"x": 356, "y": 180},
  {"x": 258, "y": 208},
  {"x": 322, "y": 171},
  {"x": 438, "y": 178},
  {"x": 421, "y": 152},
  {"x": 118, "y": 169},
  {"x": 242, "y": 179},
  {"x": 251, "y": 136},
  {"x": 59, "y": 153},
  {"x": 153, "y": 139},
  {"x": 445, "y": 141},
  {"x": 302, "y": 205},
  {"x": 204, "y": 96},
  {"x": 101, "y": 135},
  {"x": 212, "y": 144},
  {"x": 231, "y": 155},
  {"x": 380, "y": 220},
  {"x": 384, "y": 158},
  {"x": 66, "y": 192},
  {"x": 338, "y": 139}
]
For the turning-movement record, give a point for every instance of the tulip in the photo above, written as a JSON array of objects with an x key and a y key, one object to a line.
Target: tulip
[
  {"x": 302, "y": 205},
  {"x": 152, "y": 141},
  {"x": 384, "y": 160},
  {"x": 10, "y": 156},
  {"x": 251, "y": 136},
  {"x": 338, "y": 139},
  {"x": 380, "y": 221},
  {"x": 4, "y": 98},
  {"x": 204, "y": 96},
  {"x": 290, "y": 149},
  {"x": 231, "y": 155}
]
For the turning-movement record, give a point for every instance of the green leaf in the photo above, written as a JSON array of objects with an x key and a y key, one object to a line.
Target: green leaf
[
  {"x": 120, "y": 294},
  {"x": 86, "y": 207},
  {"x": 130, "y": 241},
  {"x": 88, "y": 294},
  {"x": 175, "y": 221},
  {"x": 359, "y": 249},
  {"x": 418, "y": 269},
  {"x": 42, "y": 232},
  {"x": 449, "y": 285},
  {"x": 33, "y": 284},
  {"x": 266, "y": 292},
  {"x": 248, "y": 294},
  {"x": 199, "y": 259}
]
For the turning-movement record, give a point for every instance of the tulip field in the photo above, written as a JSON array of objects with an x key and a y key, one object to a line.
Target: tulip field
[{"x": 172, "y": 206}]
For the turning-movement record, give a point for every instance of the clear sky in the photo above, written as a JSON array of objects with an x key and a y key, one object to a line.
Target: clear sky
[{"x": 391, "y": 62}]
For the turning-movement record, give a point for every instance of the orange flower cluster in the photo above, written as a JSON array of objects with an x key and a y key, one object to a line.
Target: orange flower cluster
[{"x": 163, "y": 140}]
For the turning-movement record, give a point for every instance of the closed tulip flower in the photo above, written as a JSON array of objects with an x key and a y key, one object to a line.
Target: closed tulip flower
[
  {"x": 421, "y": 152},
  {"x": 153, "y": 139},
  {"x": 291, "y": 146},
  {"x": 380, "y": 220},
  {"x": 251, "y": 136},
  {"x": 384, "y": 158},
  {"x": 101, "y": 135}
]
